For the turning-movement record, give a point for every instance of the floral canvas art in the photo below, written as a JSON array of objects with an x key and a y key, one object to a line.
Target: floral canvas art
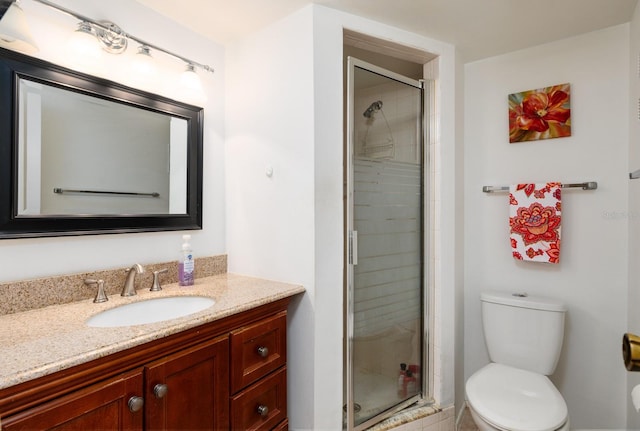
[{"x": 540, "y": 114}]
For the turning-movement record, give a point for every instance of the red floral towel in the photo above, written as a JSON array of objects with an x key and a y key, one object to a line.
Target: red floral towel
[{"x": 534, "y": 219}]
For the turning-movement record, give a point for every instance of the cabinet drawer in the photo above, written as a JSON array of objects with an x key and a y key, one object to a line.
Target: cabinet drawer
[
  {"x": 282, "y": 426},
  {"x": 261, "y": 406},
  {"x": 257, "y": 350}
]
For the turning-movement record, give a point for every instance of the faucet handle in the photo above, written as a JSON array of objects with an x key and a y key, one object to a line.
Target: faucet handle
[
  {"x": 155, "y": 286},
  {"x": 101, "y": 296}
]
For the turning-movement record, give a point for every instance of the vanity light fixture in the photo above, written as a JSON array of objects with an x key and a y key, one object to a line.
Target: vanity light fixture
[
  {"x": 114, "y": 40},
  {"x": 14, "y": 30}
]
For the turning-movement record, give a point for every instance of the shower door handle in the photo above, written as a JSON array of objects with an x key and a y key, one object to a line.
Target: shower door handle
[{"x": 353, "y": 249}]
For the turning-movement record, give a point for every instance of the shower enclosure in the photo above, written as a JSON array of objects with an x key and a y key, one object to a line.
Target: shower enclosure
[{"x": 385, "y": 295}]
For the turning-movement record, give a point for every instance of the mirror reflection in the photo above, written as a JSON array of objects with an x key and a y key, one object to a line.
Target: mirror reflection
[{"x": 80, "y": 154}]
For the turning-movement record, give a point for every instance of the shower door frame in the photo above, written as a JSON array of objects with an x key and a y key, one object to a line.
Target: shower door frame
[{"x": 351, "y": 245}]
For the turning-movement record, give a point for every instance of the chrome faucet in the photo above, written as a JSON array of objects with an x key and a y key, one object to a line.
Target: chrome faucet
[{"x": 129, "y": 288}]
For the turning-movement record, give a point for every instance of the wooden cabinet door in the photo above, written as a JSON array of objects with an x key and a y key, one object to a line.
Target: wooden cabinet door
[
  {"x": 189, "y": 390},
  {"x": 103, "y": 406}
]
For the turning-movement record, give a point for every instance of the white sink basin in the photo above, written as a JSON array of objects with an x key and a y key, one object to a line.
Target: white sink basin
[{"x": 150, "y": 311}]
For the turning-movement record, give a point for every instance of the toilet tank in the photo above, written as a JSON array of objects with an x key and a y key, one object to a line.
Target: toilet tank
[{"x": 523, "y": 331}]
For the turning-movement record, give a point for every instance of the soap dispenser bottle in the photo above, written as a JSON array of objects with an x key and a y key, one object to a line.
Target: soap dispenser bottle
[{"x": 186, "y": 264}]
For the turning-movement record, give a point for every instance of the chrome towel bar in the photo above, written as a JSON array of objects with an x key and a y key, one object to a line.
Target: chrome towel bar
[
  {"x": 105, "y": 192},
  {"x": 590, "y": 185}
]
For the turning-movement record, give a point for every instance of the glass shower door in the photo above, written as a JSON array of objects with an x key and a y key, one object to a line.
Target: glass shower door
[{"x": 385, "y": 297}]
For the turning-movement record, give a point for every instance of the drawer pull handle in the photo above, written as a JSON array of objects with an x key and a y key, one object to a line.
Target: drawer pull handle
[
  {"x": 135, "y": 404},
  {"x": 160, "y": 390},
  {"x": 263, "y": 352},
  {"x": 263, "y": 410}
]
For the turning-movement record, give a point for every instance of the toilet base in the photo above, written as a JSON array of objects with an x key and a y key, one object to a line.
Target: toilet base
[{"x": 483, "y": 426}]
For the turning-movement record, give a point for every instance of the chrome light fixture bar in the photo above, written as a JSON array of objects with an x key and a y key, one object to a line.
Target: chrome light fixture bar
[{"x": 115, "y": 40}]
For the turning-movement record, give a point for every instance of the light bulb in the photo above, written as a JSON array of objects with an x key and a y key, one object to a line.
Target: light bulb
[
  {"x": 84, "y": 49},
  {"x": 143, "y": 64},
  {"x": 190, "y": 85},
  {"x": 14, "y": 31},
  {"x": 189, "y": 80}
]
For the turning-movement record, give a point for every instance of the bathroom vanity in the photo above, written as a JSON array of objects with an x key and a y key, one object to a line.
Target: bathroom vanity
[{"x": 221, "y": 368}]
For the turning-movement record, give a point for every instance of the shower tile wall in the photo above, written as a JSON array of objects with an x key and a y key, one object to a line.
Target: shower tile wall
[
  {"x": 373, "y": 135},
  {"x": 387, "y": 302},
  {"x": 388, "y": 267}
]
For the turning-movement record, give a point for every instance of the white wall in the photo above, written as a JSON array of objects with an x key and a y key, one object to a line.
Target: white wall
[
  {"x": 633, "y": 214},
  {"x": 591, "y": 277},
  {"x": 30, "y": 258},
  {"x": 270, "y": 229},
  {"x": 285, "y": 112}
]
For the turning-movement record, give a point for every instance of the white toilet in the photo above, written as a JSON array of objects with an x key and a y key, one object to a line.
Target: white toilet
[{"x": 524, "y": 338}]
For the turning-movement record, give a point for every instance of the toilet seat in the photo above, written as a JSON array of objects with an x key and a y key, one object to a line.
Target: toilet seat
[{"x": 512, "y": 399}]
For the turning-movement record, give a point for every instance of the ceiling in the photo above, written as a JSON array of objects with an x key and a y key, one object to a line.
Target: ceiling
[{"x": 479, "y": 28}]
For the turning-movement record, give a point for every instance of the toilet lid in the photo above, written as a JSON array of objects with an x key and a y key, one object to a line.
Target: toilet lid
[{"x": 513, "y": 399}]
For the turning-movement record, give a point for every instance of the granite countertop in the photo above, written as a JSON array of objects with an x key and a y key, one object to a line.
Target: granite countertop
[{"x": 45, "y": 340}]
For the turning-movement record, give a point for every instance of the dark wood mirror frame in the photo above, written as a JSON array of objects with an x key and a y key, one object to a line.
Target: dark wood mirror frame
[{"x": 13, "y": 66}]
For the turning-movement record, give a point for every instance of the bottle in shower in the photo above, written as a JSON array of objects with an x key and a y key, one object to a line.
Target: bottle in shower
[
  {"x": 186, "y": 264},
  {"x": 410, "y": 384},
  {"x": 401, "y": 385}
]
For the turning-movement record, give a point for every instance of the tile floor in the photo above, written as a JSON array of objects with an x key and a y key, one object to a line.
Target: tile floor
[{"x": 466, "y": 422}]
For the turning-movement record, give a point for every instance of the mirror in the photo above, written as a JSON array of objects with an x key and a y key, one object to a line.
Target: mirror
[{"x": 84, "y": 155}]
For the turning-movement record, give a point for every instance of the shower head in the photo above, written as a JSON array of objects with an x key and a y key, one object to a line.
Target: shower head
[{"x": 375, "y": 106}]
